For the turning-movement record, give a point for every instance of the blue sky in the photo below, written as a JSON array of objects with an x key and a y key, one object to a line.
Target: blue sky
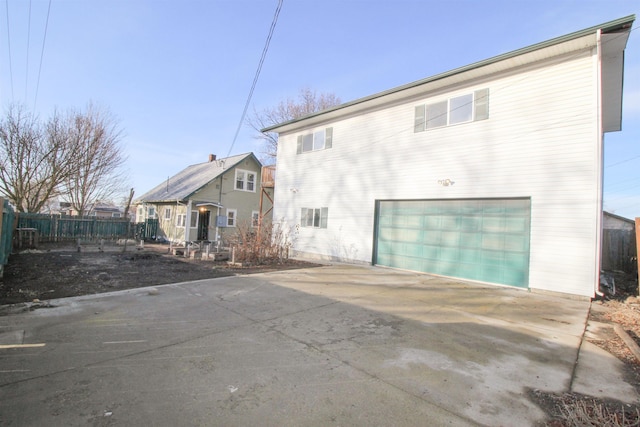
[{"x": 177, "y": 74}]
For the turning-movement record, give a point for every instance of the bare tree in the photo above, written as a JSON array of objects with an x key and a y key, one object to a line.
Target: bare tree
[
  {"x": 97, "y": 158},
  {"x": 307, "y": 102},
  {"x": 76, "y": 155},
  {"x": 32, "y": 164}
]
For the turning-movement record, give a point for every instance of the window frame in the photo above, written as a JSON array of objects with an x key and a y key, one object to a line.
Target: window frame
[
  {"x": 245, "y": 181},
  {"x": 194, "y": 216},
  {"x": 314, "y": 217},
  {"x": 316, "y": 140},
  {"x": 232, "y": 217},
  {"x": 181, "y": 220},
  {"x": 255, "y": 218},
  {"x": 478, "y": 110},
  {"x": 167, "y": 213}
]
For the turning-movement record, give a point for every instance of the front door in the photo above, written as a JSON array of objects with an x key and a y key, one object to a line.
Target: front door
[{"x": 203, "y": 225}]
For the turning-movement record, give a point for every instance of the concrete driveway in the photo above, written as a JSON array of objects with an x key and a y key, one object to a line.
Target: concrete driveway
[{"x": 336, "y": 345}]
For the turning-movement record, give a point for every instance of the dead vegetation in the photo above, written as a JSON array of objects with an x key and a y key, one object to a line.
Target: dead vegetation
[{"x": 262, "y": 245}]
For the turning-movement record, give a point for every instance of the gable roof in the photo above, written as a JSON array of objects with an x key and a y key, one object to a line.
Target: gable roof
[
  {"x": 186, "y": 182},
  {"x": 618, "y": 31}
]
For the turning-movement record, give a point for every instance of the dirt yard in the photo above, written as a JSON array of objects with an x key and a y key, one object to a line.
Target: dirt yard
[{"x": 58, "y": 271}]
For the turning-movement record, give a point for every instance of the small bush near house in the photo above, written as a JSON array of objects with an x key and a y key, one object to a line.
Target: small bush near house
[{"x": 267, "y": 244}]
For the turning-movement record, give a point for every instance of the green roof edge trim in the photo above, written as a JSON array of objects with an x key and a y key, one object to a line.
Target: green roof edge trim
[{"x": 606, "y": 27}]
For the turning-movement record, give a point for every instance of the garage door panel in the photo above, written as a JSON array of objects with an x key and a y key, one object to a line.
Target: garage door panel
[{"x": 477, "y": 239}]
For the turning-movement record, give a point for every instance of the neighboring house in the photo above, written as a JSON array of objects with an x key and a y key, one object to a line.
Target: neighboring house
[
  {"x": 206, "y": 200},
  {"x": 98, "y": 210},
  {"x": 490, "y": 172}
]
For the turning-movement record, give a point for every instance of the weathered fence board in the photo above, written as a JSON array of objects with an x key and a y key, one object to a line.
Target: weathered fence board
[
  {"x": 55, "y": 228},
  {"x": 618, "y": 250},
  {"x": 6, "y": 232}
]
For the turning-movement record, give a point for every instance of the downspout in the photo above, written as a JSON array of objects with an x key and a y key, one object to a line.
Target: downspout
[
  {"x": 600, "y": 163},
  {"x": 187, "y": 223}
]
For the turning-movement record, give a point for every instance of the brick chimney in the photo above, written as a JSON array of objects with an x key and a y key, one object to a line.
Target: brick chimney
[{"x": 212, "y": 157}]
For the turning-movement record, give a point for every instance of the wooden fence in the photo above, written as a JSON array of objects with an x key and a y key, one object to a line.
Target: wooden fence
[
  {"x": 619, "y": 250},
  {"x": 6, "y": 232},
  {"x": 56, "y": 228}
]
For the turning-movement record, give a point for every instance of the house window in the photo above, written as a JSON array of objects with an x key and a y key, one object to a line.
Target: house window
[
  {"x": 194, "y": 219},
  {"x": 319, "y": 140},
  {"x": 232, "y": 217},
  {"x": 151, "y": 213},
  {"x": 245, "y": 180},
  {"x": 314, "y": 217},
  {"x": 115, "y": 215},
  {"x": 255, "y": 218},
  {"x": 167, "y": 213},
  {"x": 460, "y": 109},
  {"x": 181, "y": 220}
]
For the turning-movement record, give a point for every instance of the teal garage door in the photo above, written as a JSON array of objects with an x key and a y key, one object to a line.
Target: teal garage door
[{"x": 477, "y": 239}]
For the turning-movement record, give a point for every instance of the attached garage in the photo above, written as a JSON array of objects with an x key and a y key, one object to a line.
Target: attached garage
[{"x": 477, "y": 239}]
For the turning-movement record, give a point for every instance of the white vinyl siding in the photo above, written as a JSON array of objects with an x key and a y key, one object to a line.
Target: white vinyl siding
[{"x": 540, "y": 143}]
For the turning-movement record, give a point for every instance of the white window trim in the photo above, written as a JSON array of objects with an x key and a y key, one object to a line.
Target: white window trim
[
  {"x": 167, "y": 213},
  {"x": 194, "y": 214},
  {"x": 181, "y": 220},
  {"x": 323, "y": 217},
  {"x": 479, "y": 105},
  {"x": 234, "y": 219},
  {"x": 320, "y": 140},
  {"x": 245, "y": 180}
]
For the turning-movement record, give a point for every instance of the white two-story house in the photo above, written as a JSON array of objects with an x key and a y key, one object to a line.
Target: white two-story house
[{"x": 491, "y": 172}]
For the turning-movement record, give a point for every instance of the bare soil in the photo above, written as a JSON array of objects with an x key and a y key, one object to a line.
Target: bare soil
[{"x": 59, "y": 270}]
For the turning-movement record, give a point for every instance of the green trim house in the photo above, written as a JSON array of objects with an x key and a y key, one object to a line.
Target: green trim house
[{"x": 206, "y": 201}]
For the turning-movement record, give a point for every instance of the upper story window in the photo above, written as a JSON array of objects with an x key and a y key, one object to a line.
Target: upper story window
[
  {"x": 318, "y": 140},
  {"x": 245, "y": 180},
  {"x": 460, "y": 109}
]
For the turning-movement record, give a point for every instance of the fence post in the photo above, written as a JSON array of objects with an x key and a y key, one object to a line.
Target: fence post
[
  {"x": 638, "y": 252},
  {"x": 1, "y": 227}
]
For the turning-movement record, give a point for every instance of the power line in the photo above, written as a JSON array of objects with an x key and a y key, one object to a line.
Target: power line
[
  {"x": 26, "y": 79},
  {"x": 44, "y": 39},
  {"x": 255, "y": 79},
  {"x": 622, "y": 161},
  {"x": 6, "y": 2}
]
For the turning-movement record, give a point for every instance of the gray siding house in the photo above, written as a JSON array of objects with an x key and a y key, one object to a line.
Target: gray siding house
[{"x": 206, "y": 201}]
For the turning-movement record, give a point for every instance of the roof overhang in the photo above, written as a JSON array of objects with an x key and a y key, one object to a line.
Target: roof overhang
[
  {"x": 208, "y": 204},
  {"x": 574, "y": 42}
]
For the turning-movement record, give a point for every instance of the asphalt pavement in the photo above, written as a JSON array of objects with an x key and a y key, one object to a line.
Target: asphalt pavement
[{"x": 335, "y": 345}]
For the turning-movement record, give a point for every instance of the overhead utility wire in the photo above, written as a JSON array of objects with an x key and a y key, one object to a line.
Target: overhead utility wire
[
  {"x": 255, "y": 79},
  {"x": 44, "y": 39},
  {"x": 6, "y": 3},
  {"x": 26, "y": 78}
]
